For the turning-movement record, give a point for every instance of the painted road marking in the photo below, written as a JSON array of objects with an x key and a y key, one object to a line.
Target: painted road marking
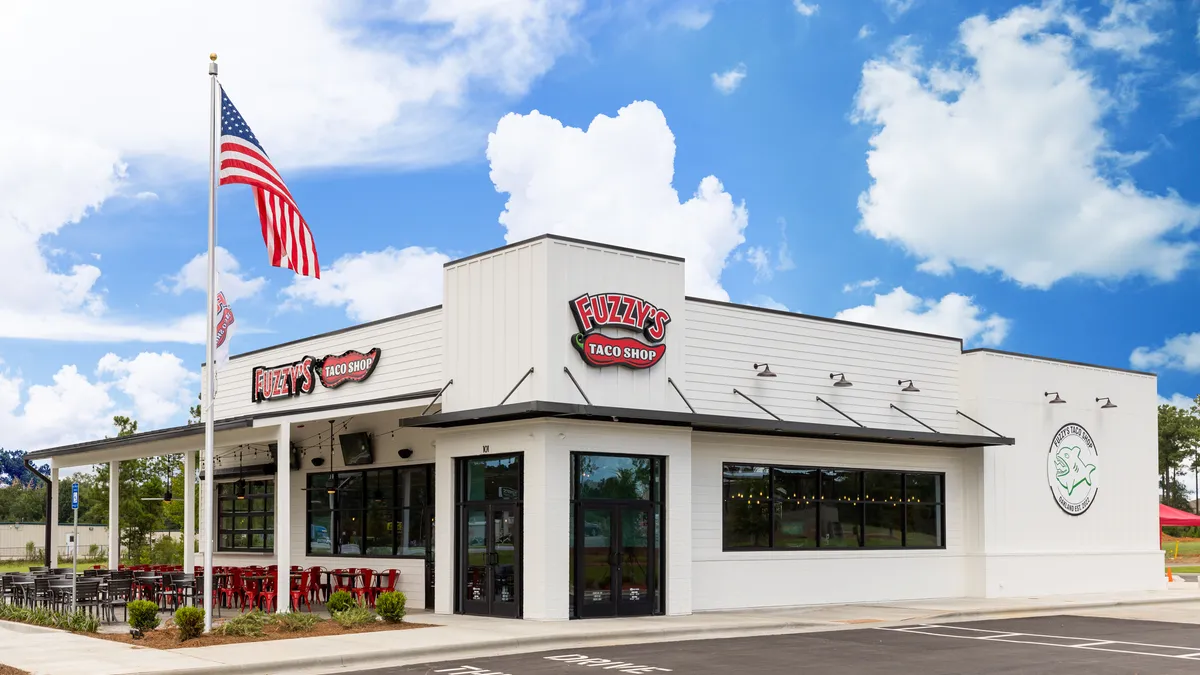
[
  {"x": 606, "y": 664},
  {"x": 1091, "y": 644}
]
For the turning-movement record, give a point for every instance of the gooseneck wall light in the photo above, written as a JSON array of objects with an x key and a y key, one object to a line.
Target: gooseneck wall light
[
  {"x": 1056, "y": 399},
  {"x": 766, "y": 370},
  {"x": 839, "y": 380},
  {"x": 1107, "y": 403},
  {"x": 910, "y": 387}
]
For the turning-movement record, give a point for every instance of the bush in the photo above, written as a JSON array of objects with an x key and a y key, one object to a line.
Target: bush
[
  {"x": 249, "y": 624},
  {"x": 340, "y": 602},
  {"x": 78, "y": 621},
  {"x": 190, "y": 621},
  {"x": 355, "y": 615},
  {"x": 295, "y": 622},
  {"x": 390, "y": 606},
  {"x": 143, "y": 615}
]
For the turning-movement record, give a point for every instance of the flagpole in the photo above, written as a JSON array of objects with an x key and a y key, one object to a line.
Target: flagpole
[{"x": 210, "y": 369}]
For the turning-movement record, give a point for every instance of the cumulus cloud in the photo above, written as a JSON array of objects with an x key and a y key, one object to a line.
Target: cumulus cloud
[
  {"x": 728, "y": 81},
  {"x": 1181, "y": 352},
  {"x": 613, "y": 183},
  {"x": 804, "y": 8},
  {"x": 690, "y": 18},
  {"x": 767, "y": 302},
  {"x": 867, "y": 284},
  {"x": 1003, "y": 164},
  {"x": 954, "y": 315},
  {"x": 158, "y": 384},
  {"x": 74, "y": 408},
  {"x": 865, "y": 32},
  {"x": 378, "y": 284},
  {"x": 406, "y": 83},
  {"x": 193, "y": 276},
  {"x": 1178, "y": 400},
  {"x": 897, "y": 8},
  {"x": 1125, "y": 29}
]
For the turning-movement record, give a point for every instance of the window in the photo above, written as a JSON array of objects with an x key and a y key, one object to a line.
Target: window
[
  {"x": 380, "y": 513},
  {"x": 793, "y": 508},
  {"x": 248, "y": 523}
]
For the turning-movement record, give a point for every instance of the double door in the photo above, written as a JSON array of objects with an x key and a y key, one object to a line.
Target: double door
[
  {"x": 492, "y": 566},
  {"x": 614, "y": 555}
]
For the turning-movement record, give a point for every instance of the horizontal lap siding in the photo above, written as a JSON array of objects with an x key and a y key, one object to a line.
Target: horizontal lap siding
[
  {"x": 724, "y": 342},
  {"x": 410, "y": 361}
]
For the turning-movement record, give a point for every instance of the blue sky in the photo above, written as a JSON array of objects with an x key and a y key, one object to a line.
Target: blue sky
[{"x": 1021, "y": 175}]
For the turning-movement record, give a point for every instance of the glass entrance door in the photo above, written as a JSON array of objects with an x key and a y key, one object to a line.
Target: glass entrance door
[
  {"x": 614, "y": 551},
  {"x": 490, "y": 537}
]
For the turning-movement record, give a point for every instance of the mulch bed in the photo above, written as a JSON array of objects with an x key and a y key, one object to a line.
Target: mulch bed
[{"x": 167, "y": 637}]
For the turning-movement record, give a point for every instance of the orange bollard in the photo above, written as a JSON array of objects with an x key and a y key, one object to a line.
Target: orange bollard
[{"x": 1169, "y": 577}]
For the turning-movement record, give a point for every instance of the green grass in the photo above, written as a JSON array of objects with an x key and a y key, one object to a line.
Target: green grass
[
  {"x": 1186, "y": 548},
  {"x": 1187, "y": 569}
]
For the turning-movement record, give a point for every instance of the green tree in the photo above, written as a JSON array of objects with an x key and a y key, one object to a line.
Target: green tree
[{"x": 1178, "y": 447}]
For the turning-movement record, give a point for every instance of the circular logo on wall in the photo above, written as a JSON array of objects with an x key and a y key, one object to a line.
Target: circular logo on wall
[{"x": 1071, "y": 469}]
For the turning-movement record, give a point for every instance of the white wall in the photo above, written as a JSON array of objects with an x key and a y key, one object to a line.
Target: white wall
[
  {"x": 1031, "y": 546},
  {"x": 410, "y": 361},
  {"x": 741, "y": 579},
  {"x": 725, "y": 341}
]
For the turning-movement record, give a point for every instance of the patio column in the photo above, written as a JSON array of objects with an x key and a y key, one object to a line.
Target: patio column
[
  {"x": 283, "y": 517},
  {"x": 189, "y": 511},
  {"x": 114, "y": 515},
  {"x": 55, "y": 537}
]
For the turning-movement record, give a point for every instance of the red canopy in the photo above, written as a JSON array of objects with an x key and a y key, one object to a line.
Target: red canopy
[{"x": 1168, "y": 516}]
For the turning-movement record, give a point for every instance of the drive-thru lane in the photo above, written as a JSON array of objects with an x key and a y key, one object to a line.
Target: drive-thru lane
[{"x": 1063, "y": 645}]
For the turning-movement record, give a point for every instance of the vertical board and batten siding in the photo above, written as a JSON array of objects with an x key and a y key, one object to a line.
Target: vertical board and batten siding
[
  {"x": 724, "y": 342},
  {"x": 410, "y": 361},
  {"x": 744, "y": 579},
  {"x": 495, "y": 327}
]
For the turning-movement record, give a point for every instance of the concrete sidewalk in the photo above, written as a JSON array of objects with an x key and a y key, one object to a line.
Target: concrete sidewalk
[{"x": 50, "y": 652}]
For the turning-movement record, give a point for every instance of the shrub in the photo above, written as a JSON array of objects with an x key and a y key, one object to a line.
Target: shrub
[
  {"x": 249, "y": 624},
  {"x": 295, "y": 622},
  {"x": 355, "y": 615},
  {"x": 143, "y": 615},
  {"x": 340, "y": 602},
  {"x": 390, "y": 606},
  {"x": 190, "y": 621}
]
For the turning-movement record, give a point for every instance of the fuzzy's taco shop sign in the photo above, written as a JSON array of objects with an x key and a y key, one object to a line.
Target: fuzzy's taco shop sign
[
  {"x": 619, "y": 311},
  {"x": 301, "y": 377}
]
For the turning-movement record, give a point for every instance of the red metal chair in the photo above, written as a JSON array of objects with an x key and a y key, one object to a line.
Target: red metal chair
[
  {"x": 363, "y": 592},
  {"x": 268, "y": 596},
  {"x": 387, "y": 586},
  {"x": 234, "y": 591},
  {"x": 300, "y": 590},
  {"x": 315, "y": 587},
  {"x": 343, "y": 581}
]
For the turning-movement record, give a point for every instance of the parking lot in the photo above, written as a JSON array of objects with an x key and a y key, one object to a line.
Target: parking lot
[{"x": 1060, "y": 644}]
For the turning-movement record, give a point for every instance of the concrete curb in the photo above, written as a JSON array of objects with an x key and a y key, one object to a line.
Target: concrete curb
[{"x": 641, "y": 635}]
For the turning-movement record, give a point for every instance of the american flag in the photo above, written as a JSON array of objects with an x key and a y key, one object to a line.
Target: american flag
[{"x": 243, "y": 160}]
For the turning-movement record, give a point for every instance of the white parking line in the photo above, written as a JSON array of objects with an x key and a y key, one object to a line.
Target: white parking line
[{"x": 1090, "y": 644}]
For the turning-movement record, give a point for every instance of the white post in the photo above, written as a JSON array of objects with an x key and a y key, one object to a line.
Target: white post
[
  {"x": 283, "y": 517},
  {"x": 55, "y": 537},
  {"x": 189, "y": 512},
  {"x": 208, "y": 408},
  {"x": 114, "y": 515}
]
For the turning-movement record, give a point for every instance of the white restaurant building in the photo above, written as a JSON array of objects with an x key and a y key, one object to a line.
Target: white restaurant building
[{"x": 569, "y": 436}]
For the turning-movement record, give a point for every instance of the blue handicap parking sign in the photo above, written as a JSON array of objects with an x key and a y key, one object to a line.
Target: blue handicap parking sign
[{"x": 74, "y": 495}]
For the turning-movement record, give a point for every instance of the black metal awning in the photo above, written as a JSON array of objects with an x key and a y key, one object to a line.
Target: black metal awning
[{"x": 698, "y": 422}]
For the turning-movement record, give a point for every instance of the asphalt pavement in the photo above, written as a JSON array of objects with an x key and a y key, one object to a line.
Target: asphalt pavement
[{"x": 1062, "y": 645}]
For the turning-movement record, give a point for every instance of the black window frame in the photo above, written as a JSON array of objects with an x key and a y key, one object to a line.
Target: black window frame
[
  {"x": 396, "y": 509},
  {"x": 267, "y": 531},
  {"x": 772, "y": 499}
]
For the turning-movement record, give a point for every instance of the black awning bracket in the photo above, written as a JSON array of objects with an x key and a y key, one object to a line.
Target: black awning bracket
[
  {"x": 574, "y": 382},
  {"x": 897, "y": 408},
  {"x": 836, "y": 410},
  {"x": 518, "y": 384},
  {"x": 756, "y": 404},
  {"x": 998, "y": 434},
  {"x": 676, "y": 388},
  {"x": 436, "y": 397}
]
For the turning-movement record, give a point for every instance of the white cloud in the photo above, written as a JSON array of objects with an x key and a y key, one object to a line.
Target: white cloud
[
  {"x": 613, "y": 183},
  {"x": 70, "y": 410},
  {"x": 1181, "y": 352},
  {"x": 1013, "y": 146},
  {"x": 158, "y": 384},
  {"x": 896, "y": 8},
  {"x": 865, "y": 32},
  {"x": 764, "y": 263},
  {"x": 767, "y": 302},
  {"x": 954, "y": 315},
  {"x": 193, "y": 276},
  {"x": 407, "y": 83},
  {"x": 690, "y": 18},
  {"x": 728, "y": 81},
  {"x": 867, "y": 284},
  {"x": 146, "y": 195},
  {"x": 1178, "y": 400},
  {"x": 378, "y": 284},
  {"x": 1125, "y": 29},
  {"x": 1189, "y": 89},
  {"x": 804, "y": 8}
]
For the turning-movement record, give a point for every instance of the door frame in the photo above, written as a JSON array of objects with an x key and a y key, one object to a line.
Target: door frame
[
  {"x": 461, "y": 550},
  {"x": 616, "y": 600}
]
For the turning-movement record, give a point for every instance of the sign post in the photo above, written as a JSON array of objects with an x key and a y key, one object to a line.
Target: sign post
[{"x": 74, "y": 542}]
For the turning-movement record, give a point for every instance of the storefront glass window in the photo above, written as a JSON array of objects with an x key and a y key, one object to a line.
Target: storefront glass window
[
  {"x": 769, "y": 507},
  {"x": 246, "y": 524},
  {"x": 612, "y": 477},
  {"x": 498, "y": 478},
  {"x": 380, "y": 513}
]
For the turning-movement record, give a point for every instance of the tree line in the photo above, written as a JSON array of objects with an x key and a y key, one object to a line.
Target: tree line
[{"x": 1179, "y": 455}]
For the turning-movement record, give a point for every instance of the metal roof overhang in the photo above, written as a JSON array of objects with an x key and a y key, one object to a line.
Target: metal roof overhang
[{"x": 699, "y": 422}]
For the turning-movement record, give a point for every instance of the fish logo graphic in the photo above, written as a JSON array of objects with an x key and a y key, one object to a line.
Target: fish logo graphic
[{"x": 1071, "y": 469}]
